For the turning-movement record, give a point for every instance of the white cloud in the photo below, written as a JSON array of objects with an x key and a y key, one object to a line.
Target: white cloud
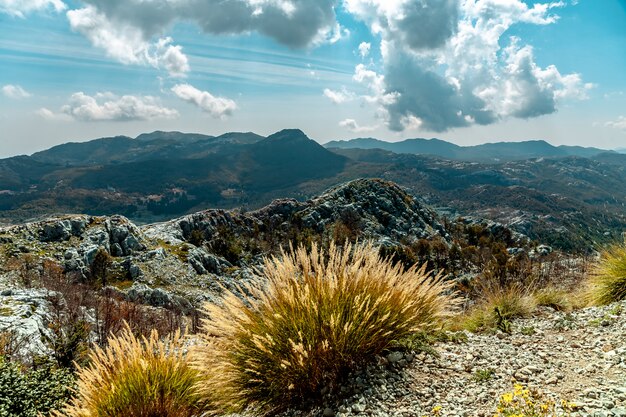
[
  {"x": 15, "y": 92},
  {"x": 619, "y": 123},
  {"x": 48, "y": 114},
  {"x": 20, "y": 8},
  {"x": 353, "y": 126},
  {"x": 446, "y": 64},
  {"x": 218, "y": 107},
  {"x": 126, "y": 43},
  {"x": 364, "y": 49},
  {"x": 110, "y": 107},
  {"x": 375, "y": 83},
  {"x": 339, "y": 97}
]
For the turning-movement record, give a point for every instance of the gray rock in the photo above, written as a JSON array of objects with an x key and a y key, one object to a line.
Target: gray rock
[
  {"x": 395, "y": 357},
  {"x": 116, "y": 250},
  {"x": 56, "y": 231},
  {"x": 156, "y": 297}
]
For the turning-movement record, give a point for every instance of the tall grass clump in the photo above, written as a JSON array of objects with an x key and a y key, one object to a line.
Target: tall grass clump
[
  {"x": 135, "y": 377},
  {"x": 497, "y": 306},
  {"x": 316, "y": 315},
  {"x": 607, "y": 280}
]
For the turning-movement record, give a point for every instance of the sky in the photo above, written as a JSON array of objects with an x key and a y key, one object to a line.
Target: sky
[{"x": 466, "y": 71}]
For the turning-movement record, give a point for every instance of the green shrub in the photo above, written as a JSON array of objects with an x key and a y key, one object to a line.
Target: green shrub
[
  {"x": 317, "y": 315},
  {"x": 483, "y": 375},
  {"x": 135, "y": 377},
  {"x": 607, "y": 281},
  {"x": 28, "y": 392}
]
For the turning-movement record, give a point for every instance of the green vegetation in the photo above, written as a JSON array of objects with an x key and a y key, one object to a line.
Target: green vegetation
[
  {"x": 135, "y": 377},
  {"x": 32, "y": 392},
  {"x": 318, "y": 315},
  {"x": 181, "y": 251},
  {"x": 483, "y": 375},
  {"x": 607, "y": 282}
]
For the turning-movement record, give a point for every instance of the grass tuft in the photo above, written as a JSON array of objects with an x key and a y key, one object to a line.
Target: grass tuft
[
  {"x": 497, "y": 307},
  {"x": 135, "y": 377},
  {"x": 317, "y": 315},
  {"x": 607, "y": 281},
  {"x": 558, "y": 299}
]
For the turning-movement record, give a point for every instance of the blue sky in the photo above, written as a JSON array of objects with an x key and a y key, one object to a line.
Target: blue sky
[{"x": 467, "y": 71}]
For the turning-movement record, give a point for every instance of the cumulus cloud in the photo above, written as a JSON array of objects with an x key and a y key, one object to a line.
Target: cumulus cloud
[
  {"x": 218, "y": 107},
  {"x": 619, "y": 123},
  {"x": 110, "y": 107},
  {"x": 364, "y": 49},
  {"x": 295, "y": 23},
  {"x": 339, "y": 97},
  {"x": 419, "y": 24},
  {"x": 353, "y": 126},
  {"x": 126, "y": 43},
  {"x": 446, "y": 63},
  {"x": 20, "y": 8},
  {"x": 15, "y": 92}
]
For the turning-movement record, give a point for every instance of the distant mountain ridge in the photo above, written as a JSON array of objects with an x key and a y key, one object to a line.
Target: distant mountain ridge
[
  {"x": 570, "y": 197},
  {"x": 488, "y": 152}
]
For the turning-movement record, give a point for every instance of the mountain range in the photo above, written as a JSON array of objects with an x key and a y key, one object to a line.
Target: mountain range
[
  {"x": 570, "y": 197},
  {"x": 488, "y": 152}
]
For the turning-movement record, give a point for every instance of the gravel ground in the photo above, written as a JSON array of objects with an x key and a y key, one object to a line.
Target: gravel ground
[{"x": 580, "y": 357}]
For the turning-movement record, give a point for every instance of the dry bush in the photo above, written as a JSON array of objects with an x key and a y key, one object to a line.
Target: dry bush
[
  {"x": 136, "y": 377},
  {"x": 75, "y": 304},
  {"x": 607, "y": 279},
  {"x": 317, "y": 315}
]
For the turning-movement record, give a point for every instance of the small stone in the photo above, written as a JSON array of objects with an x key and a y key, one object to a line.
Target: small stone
[
  {"x": 394, "y": 357},
  {"x": 328, "y": 412}
]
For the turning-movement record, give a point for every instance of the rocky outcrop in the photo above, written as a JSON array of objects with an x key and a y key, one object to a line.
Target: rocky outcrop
[{"x": 379, "y": 210}]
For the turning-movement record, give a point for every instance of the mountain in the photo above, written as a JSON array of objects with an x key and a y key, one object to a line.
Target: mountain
[
  {"x": 147, "y": 146},
  {"x": 162, "y": 174},
  {"x": 489, "y": 152},
  {"x": 571, "y": 202}
]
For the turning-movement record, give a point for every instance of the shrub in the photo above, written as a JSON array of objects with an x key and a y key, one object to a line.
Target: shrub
[
  {"x": 29, "y": 392},
  {"x": 135, "y": 377},
  {"x": 607, "y": 282},
  {"x": 317, "y": 315},
  {"x": 100, "y": 267}
]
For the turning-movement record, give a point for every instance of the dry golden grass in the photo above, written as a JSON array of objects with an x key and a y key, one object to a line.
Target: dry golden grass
[
  {"x": 556, "y": 298},
  {"x": 607, "y": 280},
  {"x": 496, "y": 307},
  {"x": 135, "y": 377},
  {"x": 317, "y": 315}
]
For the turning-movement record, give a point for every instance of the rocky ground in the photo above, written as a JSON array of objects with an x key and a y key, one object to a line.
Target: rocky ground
[{"x": 579, "y": 357}]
